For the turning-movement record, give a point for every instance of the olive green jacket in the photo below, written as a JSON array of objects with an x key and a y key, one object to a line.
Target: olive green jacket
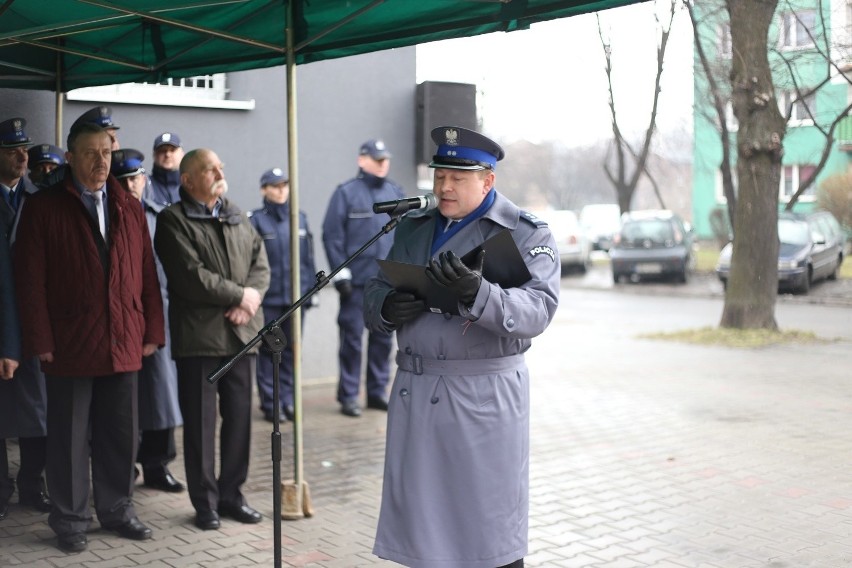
[{"x": 208, "y": 260}]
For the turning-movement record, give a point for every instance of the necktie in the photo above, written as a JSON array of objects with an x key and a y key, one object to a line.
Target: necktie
[{"x": 97, "y": 211}]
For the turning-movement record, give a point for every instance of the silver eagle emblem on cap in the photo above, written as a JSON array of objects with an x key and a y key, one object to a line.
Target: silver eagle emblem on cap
[{"x": 451, "y": 136}]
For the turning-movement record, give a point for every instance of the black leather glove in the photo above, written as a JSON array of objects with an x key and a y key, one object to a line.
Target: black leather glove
[
  {"x": 450, "y": 272},
  {"x": 344, "y": 288},
  {"x": 402, "y": 307}
]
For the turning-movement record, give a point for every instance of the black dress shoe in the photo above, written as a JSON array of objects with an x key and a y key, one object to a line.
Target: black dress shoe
[
  {"x": 207, "y": 520},
  {"x": 73, "y": 542},
  {"x": 377, "y": 403},
  {"x": 350, "y": 408},
  {"x": 132, "y": 529},
  {"x": 163, "y": 480},
  {"x": 243, "y": 513},
  {"x": 4, "y": 510},
  {"x": 289, "y": 412},
  {"x": 38, "y": 501}
]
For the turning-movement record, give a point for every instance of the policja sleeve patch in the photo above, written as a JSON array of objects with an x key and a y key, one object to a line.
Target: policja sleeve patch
[{"x": 543, "y": 249}]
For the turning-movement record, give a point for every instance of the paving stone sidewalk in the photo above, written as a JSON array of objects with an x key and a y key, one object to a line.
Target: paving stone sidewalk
[{"x": 644, "y": 454}]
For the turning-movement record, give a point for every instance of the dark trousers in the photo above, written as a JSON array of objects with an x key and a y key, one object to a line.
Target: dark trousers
[
  {"x": 7, "y": 484},
  {"x": 33, "y": 453},
  {"x": 350, "y": 320},
  {"x": 156, "y": 449},
  {"x": 515, "y": 564},
  {"x": 285, "y": 370},
  {"x": 97, "y": 417},
  {"x": 198, "y": 400}
]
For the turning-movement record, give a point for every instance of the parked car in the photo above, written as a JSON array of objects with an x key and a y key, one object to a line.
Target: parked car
[
  {"x": 600, "y": 223},
  {"x": 811, "y": 247},
  {"x": 574, "y": 250},
  {"x": 652, "y": 243}
]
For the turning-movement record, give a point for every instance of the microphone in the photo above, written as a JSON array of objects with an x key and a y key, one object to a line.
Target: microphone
[{"x": 400, "y": 206}]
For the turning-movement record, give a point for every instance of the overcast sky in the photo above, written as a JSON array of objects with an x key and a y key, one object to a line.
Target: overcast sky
[{"x": 549, "y": 83}]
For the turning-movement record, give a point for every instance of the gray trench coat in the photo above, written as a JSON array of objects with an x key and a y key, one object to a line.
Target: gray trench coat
[{"x": 456, "y": 479}]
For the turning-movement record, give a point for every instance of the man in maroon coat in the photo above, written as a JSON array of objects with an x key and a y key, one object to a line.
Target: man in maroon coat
[{"x": 90, "y": 309}]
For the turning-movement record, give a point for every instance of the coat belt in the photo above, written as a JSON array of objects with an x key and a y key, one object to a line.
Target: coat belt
[{"x": 418, "y": 365}]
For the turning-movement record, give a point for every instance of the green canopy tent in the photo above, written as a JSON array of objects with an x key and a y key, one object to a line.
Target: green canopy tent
[{"x": 60, "y": 45}]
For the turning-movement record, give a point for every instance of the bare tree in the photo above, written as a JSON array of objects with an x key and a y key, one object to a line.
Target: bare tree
[
  {"x": 719, "y": 97},
  {"x": 624, "y": 156},
  {"x": 753, "y": 283},
  {"x": 825, "y": 125}
]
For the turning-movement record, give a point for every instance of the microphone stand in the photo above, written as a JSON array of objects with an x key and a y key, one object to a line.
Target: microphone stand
[{"x": 273, "y": 337}]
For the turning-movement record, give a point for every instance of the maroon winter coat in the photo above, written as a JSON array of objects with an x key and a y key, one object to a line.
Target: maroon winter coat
[{"x": 94, "y": 323}]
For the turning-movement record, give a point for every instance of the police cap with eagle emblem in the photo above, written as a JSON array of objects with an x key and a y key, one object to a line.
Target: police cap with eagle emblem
[
  {"x": 100, "y": 115},
  {"x": 463, "y": 149},
  {"x": 45, "y": 154},
  {"x": 127, "y": 162},
  {"x": 12, "y": 134}
]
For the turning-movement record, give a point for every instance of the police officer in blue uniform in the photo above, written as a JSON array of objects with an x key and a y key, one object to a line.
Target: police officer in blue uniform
[
  {"x": 272, "y": 221},
  {"x": 349, "y": 223},
  {"x": 159, "y": 411},
  {"x": 43, "y": 159},
  {"x": 165, "y": 175},
  {"x": 23, "y": 401}
]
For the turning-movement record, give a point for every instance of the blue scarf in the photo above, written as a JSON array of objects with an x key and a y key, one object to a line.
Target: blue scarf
[{"x": 440, "y": 236}]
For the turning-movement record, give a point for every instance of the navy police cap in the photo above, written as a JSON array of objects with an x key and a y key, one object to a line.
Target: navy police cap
[
  {"x": 463, "y": 149},
  {"x": 273, "y": 177},
  {"x": 167, "y": 138},
  {"x": 100, "y": 115},
  {"x": 45, "y": 153},
  {"x": 12, "y": 134},
  {"x": 376, "y": 149},
  {"x": 127, "y": 162}
]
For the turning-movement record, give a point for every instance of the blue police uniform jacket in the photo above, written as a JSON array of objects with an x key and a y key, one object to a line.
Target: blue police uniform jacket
[
  {"x": 272, "y": 221},
  {"x": 350, "y": 222},
  {"x": 164, "y": 187}
]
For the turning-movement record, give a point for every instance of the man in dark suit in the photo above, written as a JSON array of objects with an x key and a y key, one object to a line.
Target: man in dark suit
[{"x": 90, "y": 308}]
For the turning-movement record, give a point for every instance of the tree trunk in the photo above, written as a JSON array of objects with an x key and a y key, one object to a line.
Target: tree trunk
[{"x": 753, "y": 282}]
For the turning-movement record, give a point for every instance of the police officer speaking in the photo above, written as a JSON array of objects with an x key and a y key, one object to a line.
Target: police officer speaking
[{"x": 457, "y": 452}]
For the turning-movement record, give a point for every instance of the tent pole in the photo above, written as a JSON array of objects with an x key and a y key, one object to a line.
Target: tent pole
[
  {"x": 58, "y": 104},
  {"x": 296, "y": 500}
]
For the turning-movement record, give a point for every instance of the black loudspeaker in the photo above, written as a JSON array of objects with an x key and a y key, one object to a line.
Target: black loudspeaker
[{"x": 442, "y": 104}]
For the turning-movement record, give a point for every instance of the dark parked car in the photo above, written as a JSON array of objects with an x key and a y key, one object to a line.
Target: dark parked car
[
  {"x": 810, "y": 249},
  {"x": 652, "y": 244}
]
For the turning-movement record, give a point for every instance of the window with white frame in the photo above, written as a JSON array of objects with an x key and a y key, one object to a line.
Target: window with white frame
[
  {"x": 796, "y": 107},
  {"x": 725, "y": 42},
  {"x": 798, "y": 29},
  {"x": 210, "y": 91},
  {"x": 792, "y": 178}
]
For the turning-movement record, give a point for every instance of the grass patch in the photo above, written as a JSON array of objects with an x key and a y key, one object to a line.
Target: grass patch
[
  {"x": 846, "y": 268},
  {"x": 738, "y": 338},
  {"x": 705, "y": 259}
]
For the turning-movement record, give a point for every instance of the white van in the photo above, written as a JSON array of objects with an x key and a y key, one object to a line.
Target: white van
[{"x": 600, "y": 223}]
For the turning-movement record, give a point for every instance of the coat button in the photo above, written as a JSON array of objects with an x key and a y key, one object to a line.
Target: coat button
[
  {"x": 510, "y": 323},
  {"x": 403, "y": 392},
  {"x": 434, "y": 400},
  {"x": 448, "y": 316}
]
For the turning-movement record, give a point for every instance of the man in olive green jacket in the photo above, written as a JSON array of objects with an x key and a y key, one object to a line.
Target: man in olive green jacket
[{"x": 217, "y": 273}]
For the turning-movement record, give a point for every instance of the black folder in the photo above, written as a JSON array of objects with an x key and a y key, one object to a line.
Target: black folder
[{"x": 503, "y": 265}]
